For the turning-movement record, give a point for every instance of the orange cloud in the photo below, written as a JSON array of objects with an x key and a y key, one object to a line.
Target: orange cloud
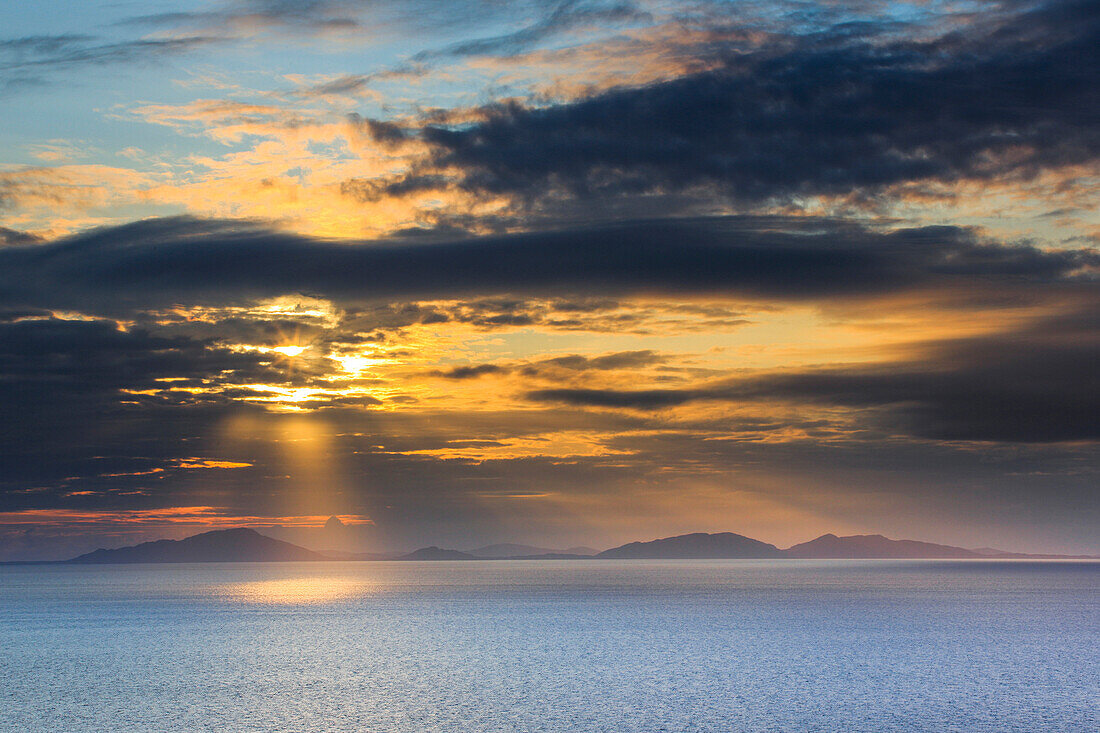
[
  {"x": 59, "y": 200},
  {"x": 201, "y": 516}
]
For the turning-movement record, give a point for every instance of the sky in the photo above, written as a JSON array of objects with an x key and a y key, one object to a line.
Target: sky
[{"x": 561, "y": 273}]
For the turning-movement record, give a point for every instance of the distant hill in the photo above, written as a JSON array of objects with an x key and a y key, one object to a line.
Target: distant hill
[
  {"x": 343, "y": 555},
  {"x": 994, "y": 553},
  {"x": 492, "y": 552},
  {"x": 695, "y": 546},
  {"x": 436, "y": 553},
  {"x": 872, "y": 546},
  {"x": 223, "y": 545},
  {"x": 510, "y": 550},
  {"x": 507, "y": 549},
  {"x": 546, "y": 556},
  {"x": 247, "y": 545}
]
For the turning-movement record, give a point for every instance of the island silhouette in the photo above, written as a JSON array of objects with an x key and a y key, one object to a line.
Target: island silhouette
[
  {"x": 247, "y": 545},
  {"x": 221, "y": 545}
]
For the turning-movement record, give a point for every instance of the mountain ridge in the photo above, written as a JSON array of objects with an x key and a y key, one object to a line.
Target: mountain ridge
[
  {"x": 514, "y": 550},
  {"x": 247, "y": 545},
  {"x": 436, "y": 553},
  {"x": 873, "y": 546},
  {"x": 697, "y": 545},
  {"x": 225, "y": 545}
]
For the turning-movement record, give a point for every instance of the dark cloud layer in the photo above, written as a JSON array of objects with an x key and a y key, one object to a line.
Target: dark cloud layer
[
  {"x": 52, "y": 371},
  {"x": 162, "y": 262},
  {"x": 829, "y": 113},
  {"x": 64, "y": 415},
  {"x": 1036, "y": 384},
  {"x": 13, "y": 236},
  {"x": 571, "y": 363}
]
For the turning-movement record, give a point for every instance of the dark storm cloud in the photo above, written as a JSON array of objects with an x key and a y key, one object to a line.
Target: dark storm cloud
[
  {"x": 181, "y": 260},
  {"x": 53, "y": 372},
  {"x": 50, "y": 348},
  {"x": 828, "y": 113},
  {"x": 64, "y": 413},
  {"x": 1037, "y": 384}
]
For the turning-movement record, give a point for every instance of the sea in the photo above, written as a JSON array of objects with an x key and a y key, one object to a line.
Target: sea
[{"x": 564, "y": 646}]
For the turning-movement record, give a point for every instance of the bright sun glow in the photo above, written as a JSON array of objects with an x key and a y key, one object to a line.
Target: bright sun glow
[
  {"x": 356, "y": 364},
  {"x": 289, "y": 350}
]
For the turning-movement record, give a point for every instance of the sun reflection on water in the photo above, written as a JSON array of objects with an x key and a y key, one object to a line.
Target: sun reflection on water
[{"x": 309, "y": 590}]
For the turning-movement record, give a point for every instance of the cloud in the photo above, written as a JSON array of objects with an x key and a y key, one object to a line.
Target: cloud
[
  {"x": 571, "y": 363},
  {"x": 82, "y": 384},
  {"x": 61, "y": 198},
  {"x": 52, "y": 367},
  {"x": 162, "y": 262},
  {"x": 336, "y": 19},
  {"x": 247, "y": 18},
  {"x": 1035, "y": 384},
  {"x": 469, "y": 372},
  {"x": 1018, "y": 384},
  {"x": 823, "y": 114},
  {"x": 12, "y": 236},
  {"x": 23, "y": 60},
  {"x": 645, "y": 399},
  {"x": 561, "y": 17},
  {"x": 387, "y": 134},
  {"x": 1031, "y": 385},
  {"x": 618, "y": 360}
]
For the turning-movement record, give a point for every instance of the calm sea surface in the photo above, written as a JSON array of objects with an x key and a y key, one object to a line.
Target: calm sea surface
[{"x": 565, "y": 646}]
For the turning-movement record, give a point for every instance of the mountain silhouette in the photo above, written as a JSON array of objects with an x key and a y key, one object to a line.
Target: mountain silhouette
[
  {"x": 247, "y": 545},
  {"x": 345, "y": 555},
  {"x": 869, "y": 546},
  {"x": 508, "y": 549},
  {"x": 582, "y": 550},
  {"x": 512, "y": 550},
  {"x": 436, "y": 553},
  {"x": 994, "y": 553},
  {"x": 223, "y": 545},
  {"x": 695, "y": 546}
]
